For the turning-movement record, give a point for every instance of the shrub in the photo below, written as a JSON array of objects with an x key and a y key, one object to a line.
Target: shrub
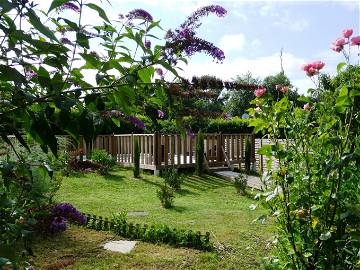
[
  {"x": 104, "y": 159},
  {"x": 166, "y": 196},
  {"x": 173, "y": 178},
  {"x": 233, "y": 125},
  {"x": 240, "y": 183},
  {"x": 157, "y": 233},
  {"x": 199, "y": 154},
  {"x": 315, "y": 188},
  {"x": 248, "y": 146},
  {"x": 136, "y": 158}
]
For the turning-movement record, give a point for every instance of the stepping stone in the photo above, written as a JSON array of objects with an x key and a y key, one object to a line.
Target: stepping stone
[
  {"x": 138, "y": 213},
  {"x": 120, "y": 246}
]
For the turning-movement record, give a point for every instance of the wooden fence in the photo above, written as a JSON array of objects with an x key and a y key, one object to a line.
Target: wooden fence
[{"x": 159, "y": 151}]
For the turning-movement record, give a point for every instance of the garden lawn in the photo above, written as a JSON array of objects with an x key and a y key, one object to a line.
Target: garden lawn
[{"x": 205, "y": 203}]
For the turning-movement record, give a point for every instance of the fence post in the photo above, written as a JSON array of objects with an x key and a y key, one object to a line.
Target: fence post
[
  {"x": 156, "y": 153},
  {"x": 219, "y": 157},
  {"x": 253, "y": 151}
]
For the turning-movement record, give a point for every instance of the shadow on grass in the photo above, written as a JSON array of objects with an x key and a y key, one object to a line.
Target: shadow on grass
[
  {"x": 114, "y": 177},
  {"x": 147, "y": 181},
  {"x": 178, "y": 209},
  {"x": 184, "y": 192},
  {"x": 205, "y": 182}
]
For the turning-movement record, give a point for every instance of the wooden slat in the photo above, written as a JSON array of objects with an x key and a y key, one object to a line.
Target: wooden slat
[
  {"x": 232, "y": 147},
  {"x": 151, "y": 146},
  {"x": 184, "y": 146},
  {"x": 166, "y": 150},
  {"x": 172, "y": 149},
  {"x": 178, "y": 149},
  {"x": 191, "y": 150}
]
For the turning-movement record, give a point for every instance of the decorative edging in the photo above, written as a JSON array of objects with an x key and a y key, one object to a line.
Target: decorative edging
[{"x": 153, "y": 233}]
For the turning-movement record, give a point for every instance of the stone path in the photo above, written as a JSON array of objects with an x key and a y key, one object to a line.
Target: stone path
[
  {"x": 252, "y": 181},
  {"x": 120, "y": 246}
]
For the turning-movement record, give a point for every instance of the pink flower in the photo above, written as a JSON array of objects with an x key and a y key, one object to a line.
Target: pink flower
[
  {"x": 312, "y": 69},
  {"x": 260, "y": 91},
  {"x": 307, "y": 107},
  {"x": 284, "y": 89},
  {"x": 337, "y": 48},
  {"x": 347, "y": 32},
  {"x": 338, "y": 44},
  {"x": 355, "y": 41},
  {"x": 318, "y": 65},
  {"x": 277, "y": 86}
]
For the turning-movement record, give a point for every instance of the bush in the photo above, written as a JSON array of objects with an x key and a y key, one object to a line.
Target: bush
[
  {"x": 240, "y": 183},
  {"x": 136, "y": 158},
  {"x": 248, "y": 146},
  {"x": 199, "y": 154},
  {"x": 173, "y": 178},
  {"x": 233, "y": 125},
  {"x": 104, "y": 159},
  {"x": 166, "y": 196}
]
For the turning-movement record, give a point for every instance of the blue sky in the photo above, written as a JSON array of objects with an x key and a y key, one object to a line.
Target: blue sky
[{"x": 253, "y": 33}]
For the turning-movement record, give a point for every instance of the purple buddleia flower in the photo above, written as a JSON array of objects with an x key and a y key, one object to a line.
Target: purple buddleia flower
[
  {"x": 190, "y": 133},
  {"x": 147, "y": 44},
  {"x": 139, "y": 13},
  {"x": 58, "y": 225},
  {"x": 159, "y": 72},
  {"x": 65, "y": 40},
  {"x": 161, "y": 114},
  {"x": 30, "y": 74},
  {"x": 69, "y": 212},
  {"x": 136, "y": 121},
  {"x": 121, "y": 16},
  {"x": 93, "y": 53},
  {"x": 112, "y": 113},
  {"x": 193, "y": 20},
  {"x": 70, "y": 6},
  {"x": 184, "y": 40}
]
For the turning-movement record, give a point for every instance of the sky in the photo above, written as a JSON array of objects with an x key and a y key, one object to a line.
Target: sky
[{"x": 253, "y": 33}]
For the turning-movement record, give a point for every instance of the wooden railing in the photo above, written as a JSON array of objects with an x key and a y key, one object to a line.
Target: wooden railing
[{"x": 158, "y": 151}]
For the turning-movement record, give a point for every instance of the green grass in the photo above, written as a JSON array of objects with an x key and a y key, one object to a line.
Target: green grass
[{"x": 205, "y": 203}]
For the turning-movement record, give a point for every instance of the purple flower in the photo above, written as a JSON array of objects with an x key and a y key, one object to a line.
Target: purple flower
[
  {"x": 30, "y": 74},
  {"x": 70, "y": 6},
  {"x": 69, "y": 212},
  {"x": 161, "y": 114},
  {"x": 139, "y": 13},
  {"x": 193, "y": 20},
  {"x": 159, "y": 72},
  {"x": 190, "y": 133},
  {"x": 136, "y": 121},
  {"x": 121, "y": 16},
  {"x": 58, "y": 224},
  {"x": 147, "y": 44},
  {"x": 112, "y": 113},
  {"x": 65, "y": 40},
  {"x": 184, "y": 40}
]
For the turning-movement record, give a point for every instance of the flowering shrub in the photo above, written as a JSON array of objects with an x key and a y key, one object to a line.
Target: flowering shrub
[{"x": 314, "y": 192}]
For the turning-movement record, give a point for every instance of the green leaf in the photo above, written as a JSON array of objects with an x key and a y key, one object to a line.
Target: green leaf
[
  {"x": 10, "y": 74},
  {"x": 340, "y": 66},
  {"x": 82, "y": 40},
  {"x": 6, "y": 7},
  {"x": 35, "y": 21},
  {"x": 145, "y": 74},
  {"x": 91, "y": 61},
  {"x": 3, "y": 261},
  {"x": 265, "y": 150},
  {"x": 56, "y": 4},
  {"x": 100, "y": 11},
  {"x": 325, "y": 236}
]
